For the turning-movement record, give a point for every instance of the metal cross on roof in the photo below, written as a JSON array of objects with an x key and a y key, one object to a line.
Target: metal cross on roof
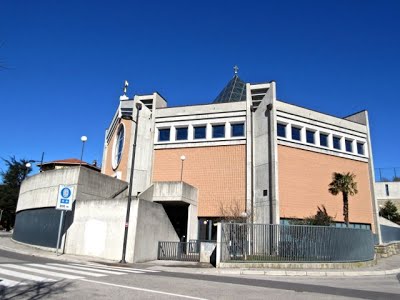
[{"x": 236, "y": 69}]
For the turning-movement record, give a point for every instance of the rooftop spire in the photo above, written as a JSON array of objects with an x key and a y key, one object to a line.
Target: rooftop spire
[{"x": 234, "y": 91}]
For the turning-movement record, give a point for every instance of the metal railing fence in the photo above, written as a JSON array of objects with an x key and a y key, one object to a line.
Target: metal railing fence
[
  {"x": 294, "y": 243},
  {"x": 183, "y": 251},
  {"x": 387, "y": 174}
]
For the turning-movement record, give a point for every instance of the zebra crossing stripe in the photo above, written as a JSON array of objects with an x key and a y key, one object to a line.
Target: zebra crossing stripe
[
  {"x": 10, "y": 283},
  {"x": 68, "y": 270},
  {"x": 44, "y": 272},
  {"x": 25, "y": 276},
  {"x": 89, "y": 269},
  {"x": 126, "y": 270}
]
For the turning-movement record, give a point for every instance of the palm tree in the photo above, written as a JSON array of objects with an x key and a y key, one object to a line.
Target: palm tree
[{"x": 344, "y": 183}]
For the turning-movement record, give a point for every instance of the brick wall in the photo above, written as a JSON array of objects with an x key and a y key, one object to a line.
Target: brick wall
[
  {"x": 304, "y": 177},
  {"x": 218, "y": 172}
]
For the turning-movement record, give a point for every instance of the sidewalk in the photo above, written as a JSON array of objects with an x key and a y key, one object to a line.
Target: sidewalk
[
  {"x": 9, "y": 245},
  {"x": 386, "y": 266}
]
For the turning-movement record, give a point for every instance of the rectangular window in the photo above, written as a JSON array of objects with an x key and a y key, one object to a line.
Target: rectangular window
[
  {"x": 336, "y": 142},
  {"x": 282, "y": 130},
  {"x": 181, "y": 133},
  {"x": 218, "y": 131},
  {"x": 323, "y": 139},
  {"x": 360, "y": 148},
  {"x": 296, "y": 134},
  {"x": 349, "y": 146},
  {"x": 163, "y": 134},
  {"x": 237, "y": 129},
  {"x": 387, "y": 189},
  {"x": 199, "y": 132},
  {"x": 310, "y": 135}
]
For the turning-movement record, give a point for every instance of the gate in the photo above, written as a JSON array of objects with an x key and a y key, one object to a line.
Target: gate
[{"x": 182, "y": 251}]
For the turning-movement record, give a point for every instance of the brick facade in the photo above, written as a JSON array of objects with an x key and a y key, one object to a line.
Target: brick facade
[
  {"x": 218, "y": 172},
  {"x": 304, "y": 177}
]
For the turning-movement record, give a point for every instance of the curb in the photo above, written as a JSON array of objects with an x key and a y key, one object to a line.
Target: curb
[
  {"x": 312, "y": 273},
  {"x": 288, "y": 273}
]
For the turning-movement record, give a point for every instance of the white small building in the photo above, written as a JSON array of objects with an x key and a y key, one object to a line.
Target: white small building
[{"x": 388, "y": 190}]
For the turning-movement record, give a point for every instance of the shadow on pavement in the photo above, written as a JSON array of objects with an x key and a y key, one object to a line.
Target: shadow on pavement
[{"x": 33, "y": 291}]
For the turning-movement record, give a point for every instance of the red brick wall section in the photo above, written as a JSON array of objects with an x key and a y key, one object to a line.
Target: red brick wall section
[
  {"x": 304, "y": 177},
  {"x": 218, "y": 172}
]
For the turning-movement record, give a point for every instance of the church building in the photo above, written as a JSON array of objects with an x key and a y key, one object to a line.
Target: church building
[{"x": 250, "y": 157}]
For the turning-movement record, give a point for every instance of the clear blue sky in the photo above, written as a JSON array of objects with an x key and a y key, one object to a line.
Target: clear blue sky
[{"x": 67, "y": 61}]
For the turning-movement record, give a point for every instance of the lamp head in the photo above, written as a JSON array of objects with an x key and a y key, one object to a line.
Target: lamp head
[
  {"x": 83, "y": 138},
  {"x": 243, "y": 214},
  {"x": 28, "y": 165},
  {"x": 183, "y": 157},
  {"x": 138, "y": 106}
]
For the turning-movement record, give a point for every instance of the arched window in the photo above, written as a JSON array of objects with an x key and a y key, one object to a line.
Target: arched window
[{"x": 118, "y": 146}]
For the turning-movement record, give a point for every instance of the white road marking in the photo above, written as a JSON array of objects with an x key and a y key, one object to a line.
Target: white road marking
[
  {"x": 132, "y": 270},
  {"x": 24, "y": 276},
  {"x": 143, "y": 290},
  {"x": 44, "y": 272},
  {"x": 68, "y": 270},
  {"x": 125, "y": 270},
  {"x": 10, "y": 283},
  {"x": 89, "y": 269}
]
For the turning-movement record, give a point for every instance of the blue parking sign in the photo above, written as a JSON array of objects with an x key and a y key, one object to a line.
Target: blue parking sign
[{"x": 64, "y": 199}]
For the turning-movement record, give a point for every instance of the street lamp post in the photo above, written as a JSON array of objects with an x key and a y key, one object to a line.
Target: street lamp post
[
  {"x": 28, "y": 164},
  {"x": 183, "y": 157},
  {"x": 83, "y": 139},
  {"x": 128, "y": 208}
]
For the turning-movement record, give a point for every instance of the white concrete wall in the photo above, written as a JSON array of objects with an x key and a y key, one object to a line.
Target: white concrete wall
[
  {"x": 178, "y": 191},
  {"x": 394, "y": 193},
  {"x": 394, "y": 190},
  {"x": 144, "y": 149},
  {"x": 98, "y": 229},
  {"x": 41, "y": 190},
  {"x": 192, "y": 111},
  {"x": 330, "y": 122},
  {"x": 265, "y": 161},
  {"x": 99, "y": 226},
  {"x": 192, "y": 226},
  {"x": 152, "y": 226}
]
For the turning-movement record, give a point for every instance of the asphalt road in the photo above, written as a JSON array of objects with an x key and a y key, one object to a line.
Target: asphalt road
[{"x": 66, "y": 280}]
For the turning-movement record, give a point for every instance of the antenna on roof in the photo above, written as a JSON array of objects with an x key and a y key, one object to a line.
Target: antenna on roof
[{"x": 235, "y": 69}]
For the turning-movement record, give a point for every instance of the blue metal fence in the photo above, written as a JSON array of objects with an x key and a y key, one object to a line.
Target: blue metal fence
[
  {"x": 390, "y": 234},
  {"x": 295, "y": 243}
]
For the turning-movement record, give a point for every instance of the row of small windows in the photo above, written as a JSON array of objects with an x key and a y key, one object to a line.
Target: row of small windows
[
  {"x": 200, "y": 132},
  {"x": 323, "y": 139}
]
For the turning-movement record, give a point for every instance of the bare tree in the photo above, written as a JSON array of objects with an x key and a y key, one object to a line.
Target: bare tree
[{"x": 233, "y": 211}]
